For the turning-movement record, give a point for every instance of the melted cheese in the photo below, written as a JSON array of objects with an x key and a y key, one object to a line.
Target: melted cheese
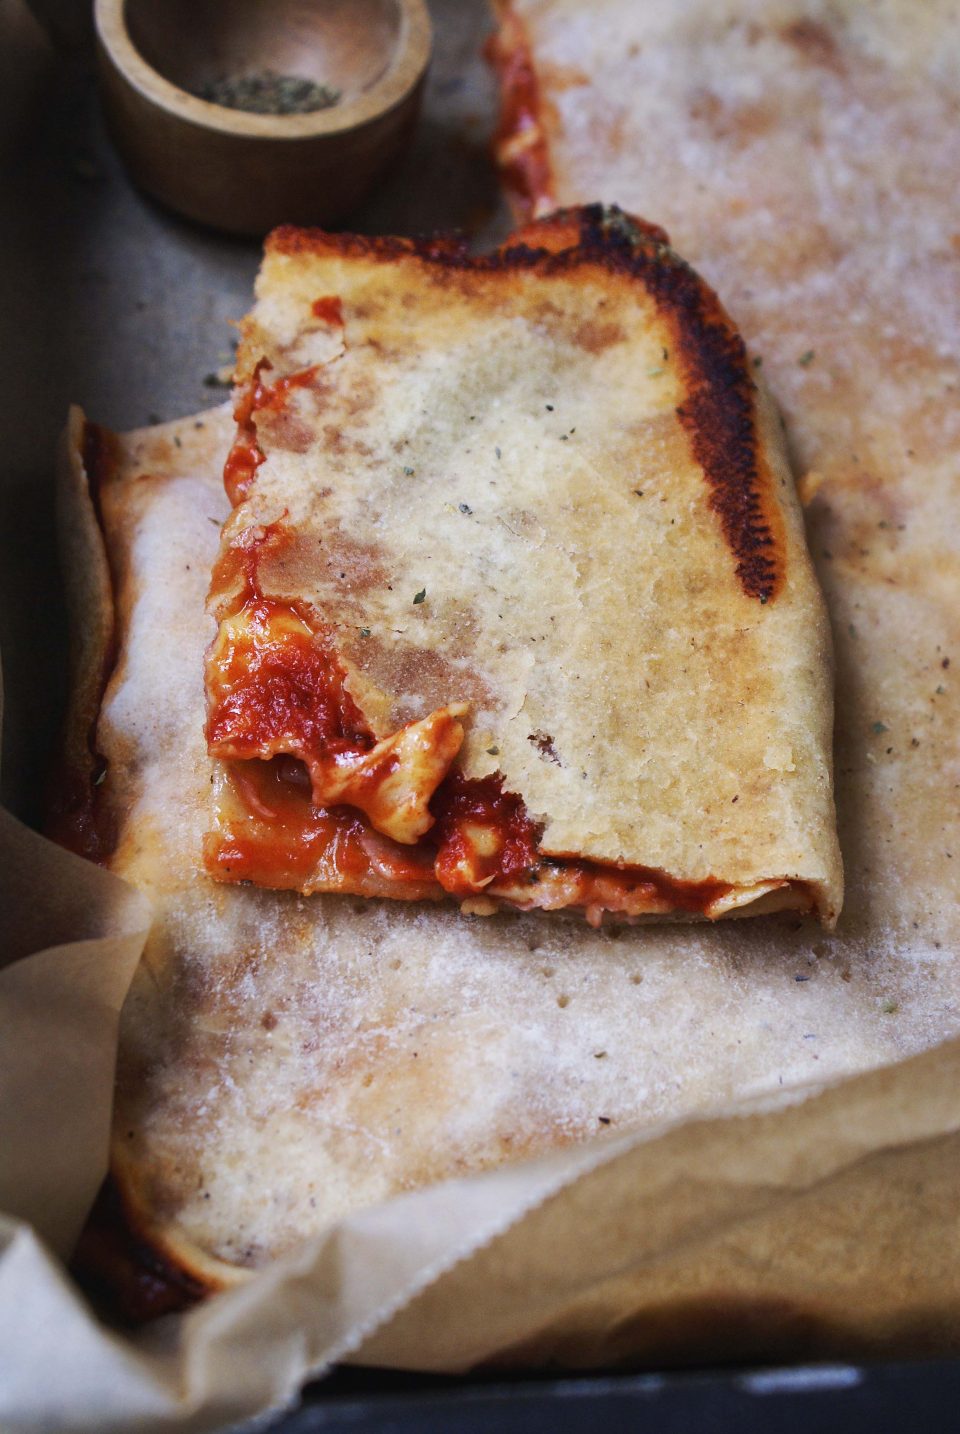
[
  {"x": 273, "y": 686},
  {"x": 393, "y": 783}
]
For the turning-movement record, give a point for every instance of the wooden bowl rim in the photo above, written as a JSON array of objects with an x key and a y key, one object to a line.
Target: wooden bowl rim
[{"x": 409, "y": 60}]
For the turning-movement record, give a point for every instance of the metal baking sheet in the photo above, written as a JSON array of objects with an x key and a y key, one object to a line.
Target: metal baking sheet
[{"x": 814, "y": 1399}]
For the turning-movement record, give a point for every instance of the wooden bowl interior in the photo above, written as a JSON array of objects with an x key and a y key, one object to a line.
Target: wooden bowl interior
[{"x": 344, "y": 44}]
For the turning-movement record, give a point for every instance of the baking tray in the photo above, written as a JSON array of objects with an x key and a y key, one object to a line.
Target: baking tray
[
  {"x": 117, "y": 305},
  {"x": 814, "y": 1399}
]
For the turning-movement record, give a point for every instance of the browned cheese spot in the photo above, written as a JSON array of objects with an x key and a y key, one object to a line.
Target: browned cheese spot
[
  {"x": 284, "y": 430},
  {"x": 544, "y": 745},
  {"x": 595, "y": 336},
  {"x": 815, "y": 43},
  {"x": 432, "y": 676}
]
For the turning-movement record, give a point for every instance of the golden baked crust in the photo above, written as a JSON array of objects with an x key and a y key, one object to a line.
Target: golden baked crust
[{"x": 536, "y": 495}]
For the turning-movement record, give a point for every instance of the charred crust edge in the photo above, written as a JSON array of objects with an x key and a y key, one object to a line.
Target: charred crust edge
[
  {"x": 126, "y": 1275},
  {"x": 76, "y": 814}
]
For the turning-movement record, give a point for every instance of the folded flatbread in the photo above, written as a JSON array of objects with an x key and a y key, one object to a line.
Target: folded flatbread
[{"x": 515, "y": 603}]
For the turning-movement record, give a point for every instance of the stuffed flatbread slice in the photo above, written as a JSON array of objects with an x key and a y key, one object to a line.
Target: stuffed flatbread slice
[{"x": 514, "y": 605}]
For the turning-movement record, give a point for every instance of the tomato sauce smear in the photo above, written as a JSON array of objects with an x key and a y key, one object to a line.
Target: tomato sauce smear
[
  {"x": 519, "y": 142},
  {"x": 287, "y": 843},
  {"x": 329, "y": 309},
  {"x": 246, "y": 455},
  {"x": 283, "y": 841},
  {"x": 280, "y": 691},
  {"x": 464, "y": 806}
]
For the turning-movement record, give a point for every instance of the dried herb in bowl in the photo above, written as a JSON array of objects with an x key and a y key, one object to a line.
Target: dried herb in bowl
[{"x": 264, "y": 92}]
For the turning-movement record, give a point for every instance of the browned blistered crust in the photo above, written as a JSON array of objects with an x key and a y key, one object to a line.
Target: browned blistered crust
[
  {"x": 77, "y": 817},
  {"x": 126, "y": 1273},
  {"x": 720, "y": 413}
]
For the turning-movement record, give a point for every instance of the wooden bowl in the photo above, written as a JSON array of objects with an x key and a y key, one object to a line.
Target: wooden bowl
[{"x": 248, "y": 172}]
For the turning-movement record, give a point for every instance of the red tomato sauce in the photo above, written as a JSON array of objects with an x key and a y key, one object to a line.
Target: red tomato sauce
[
  {"x": 294, "y": 690},
  {"x": 246, "y": 455},
  {"x": 288, "y": 686},
  {"x": 526, "y": 173},
  {"x": 287, "y": 842},
  {"x": 329, "y": 309},
  {"x": 481, "y": 801}
]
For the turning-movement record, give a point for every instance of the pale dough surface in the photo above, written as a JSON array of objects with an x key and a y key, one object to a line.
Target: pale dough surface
[{"x": 505, "y": 442}]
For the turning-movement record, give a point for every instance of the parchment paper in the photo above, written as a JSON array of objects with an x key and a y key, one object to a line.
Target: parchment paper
[{"x": 809, "y": 1223}]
